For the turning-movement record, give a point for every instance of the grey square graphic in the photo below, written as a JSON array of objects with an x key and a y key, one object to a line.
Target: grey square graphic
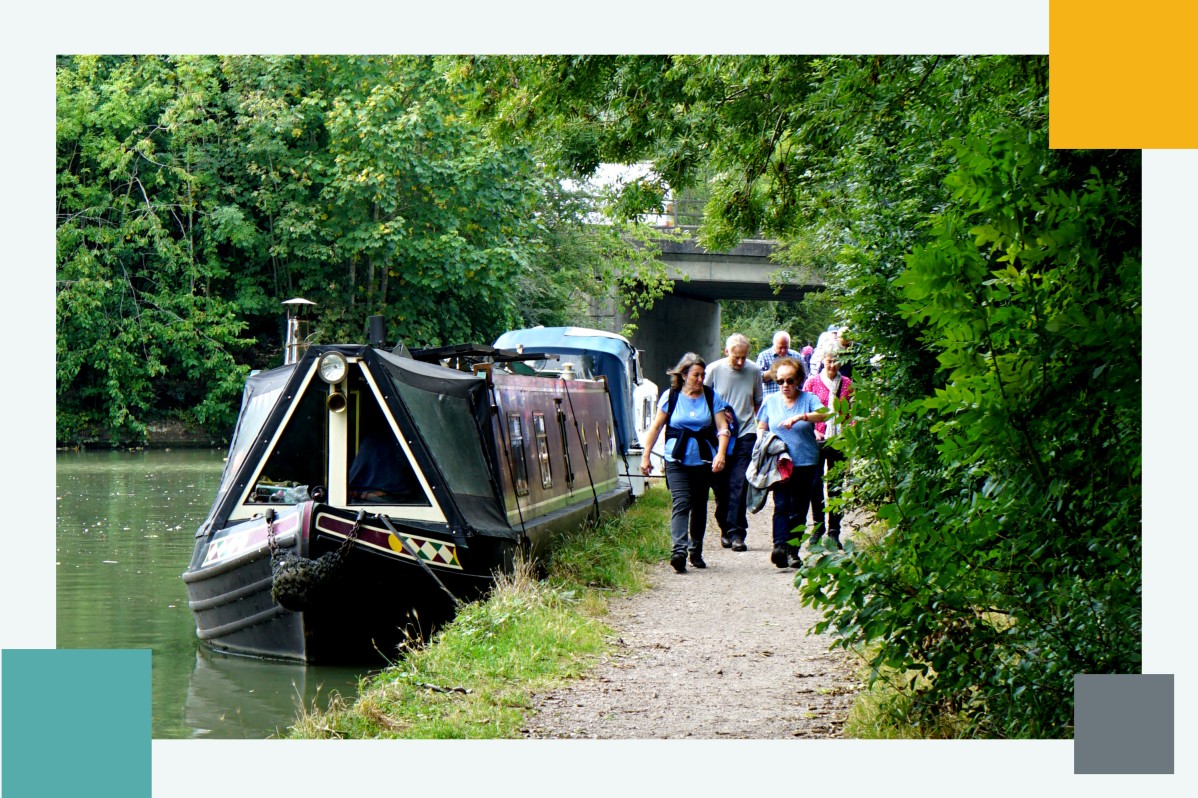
[{"x": 1123, "y": 723}]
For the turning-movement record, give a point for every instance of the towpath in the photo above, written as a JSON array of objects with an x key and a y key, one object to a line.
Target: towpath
[{"x": 717, "y": 653}]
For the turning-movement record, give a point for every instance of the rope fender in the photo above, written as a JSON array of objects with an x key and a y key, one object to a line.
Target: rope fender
[{"x": 298, "y": 583}]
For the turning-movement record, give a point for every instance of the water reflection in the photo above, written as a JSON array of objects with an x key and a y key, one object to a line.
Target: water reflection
[
  {"x": 241, "y": 697},
  {"x": 125, "y": 526}
]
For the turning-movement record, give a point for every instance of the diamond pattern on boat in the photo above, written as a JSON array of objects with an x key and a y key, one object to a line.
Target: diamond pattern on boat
[{"x": 432, "y": 551}]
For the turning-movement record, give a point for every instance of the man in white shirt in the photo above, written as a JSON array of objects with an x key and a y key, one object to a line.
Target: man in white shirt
[{"x": 738, "y": 382}]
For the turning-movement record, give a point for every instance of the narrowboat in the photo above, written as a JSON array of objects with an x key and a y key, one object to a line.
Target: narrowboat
[
  {"x": 368, "y": 492},
  {"x": 598, "y": 354}
]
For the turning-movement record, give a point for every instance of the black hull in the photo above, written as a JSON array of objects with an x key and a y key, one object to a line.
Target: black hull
[{"x": 378, "y": 599}]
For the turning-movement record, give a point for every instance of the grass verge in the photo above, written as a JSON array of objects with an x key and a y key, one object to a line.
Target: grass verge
[
  {"x": 886, "y": 711},
  {"x": 476, "y": 677}
]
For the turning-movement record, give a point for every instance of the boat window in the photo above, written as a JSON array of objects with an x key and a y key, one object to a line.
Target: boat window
[
  {"x": 561, "y": 428},
  {"x": 584, "y": 365},
  {"x": 538, "y": 428},
  {"x": 599, "y": 439},
  {"x": 296, "y": 465},
  {"x": 586, "y": 447},
  {"x": 377, "y": 468},
  {"x": 516, "y": 438}
]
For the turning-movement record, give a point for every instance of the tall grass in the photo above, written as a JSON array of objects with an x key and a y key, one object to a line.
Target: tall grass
[
  {"x": 476, "y": 677},
  {"x": 886, "y": 711}
]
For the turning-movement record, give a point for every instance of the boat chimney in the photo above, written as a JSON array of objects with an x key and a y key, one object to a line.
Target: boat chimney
[
  {"x": 295, "y": 339},
  {"x": 376, "y": 331}
]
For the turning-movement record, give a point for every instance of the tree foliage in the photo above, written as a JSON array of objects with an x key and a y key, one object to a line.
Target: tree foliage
[
  {"x": 996, "y": 442},
  {"x": 195, "y": 193}
]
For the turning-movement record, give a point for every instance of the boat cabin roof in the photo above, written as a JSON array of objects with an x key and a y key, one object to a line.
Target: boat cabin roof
[{"x": 433, "y": 422}]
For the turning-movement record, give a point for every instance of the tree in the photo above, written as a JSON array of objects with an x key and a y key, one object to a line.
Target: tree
[
  {"x": 139, "y": 320},
  {"x": 998, "y": 280},
  {"x": 196, "y": 193}
]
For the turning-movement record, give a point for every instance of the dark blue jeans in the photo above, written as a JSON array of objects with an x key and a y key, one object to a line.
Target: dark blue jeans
[
  {"x": 730, "y": 511},
  {"x": 689, "y": 486},
  {"x": 791, "y": 501},
  {"x": 828, "y": 457}
]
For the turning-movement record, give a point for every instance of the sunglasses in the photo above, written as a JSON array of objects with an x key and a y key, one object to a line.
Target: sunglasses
[{"x": 789, "y": 381}]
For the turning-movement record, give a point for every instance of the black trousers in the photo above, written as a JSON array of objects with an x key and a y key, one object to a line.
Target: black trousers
[
  {"x": 730, "y": 487},
  {"x": 828, "y": 457},
  {"x": 791, "y": 499}
]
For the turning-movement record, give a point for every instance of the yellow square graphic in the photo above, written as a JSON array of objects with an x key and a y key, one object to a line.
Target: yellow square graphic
[{"x": 1123, "y": 75}]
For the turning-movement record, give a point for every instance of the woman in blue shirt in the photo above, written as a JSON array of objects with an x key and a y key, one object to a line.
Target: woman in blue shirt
[
  {"x": 792, "y": 414},
  {"x": 696, "y": 447}
]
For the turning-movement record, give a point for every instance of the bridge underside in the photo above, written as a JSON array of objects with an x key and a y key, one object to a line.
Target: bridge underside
[
  {"x": 688, "y": 319},
  {"x": 712, "y": 291},
  {"x": 744, "y": 272}
]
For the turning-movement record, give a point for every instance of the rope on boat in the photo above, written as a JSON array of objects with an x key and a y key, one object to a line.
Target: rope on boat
[
  {"x": 298, "y": 583},
  {"x": 457, "y": 603},
  {"x": 586, "y": 461}
]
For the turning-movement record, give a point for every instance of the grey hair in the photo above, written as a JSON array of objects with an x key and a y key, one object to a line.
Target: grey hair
[
  {"x": 735, "y": 340},
  {"x": 780, "y": 332},
  {"x": 678, "y": 373}
]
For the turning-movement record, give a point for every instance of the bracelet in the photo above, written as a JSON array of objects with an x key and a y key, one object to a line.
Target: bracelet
[{"x": 724, "y": 432}]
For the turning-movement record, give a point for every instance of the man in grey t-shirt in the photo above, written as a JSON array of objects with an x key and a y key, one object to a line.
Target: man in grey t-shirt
[{"x": 738, "y": 381}]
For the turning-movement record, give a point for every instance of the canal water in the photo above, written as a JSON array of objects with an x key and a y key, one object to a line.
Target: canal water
[{"x": 125, "y": 528}]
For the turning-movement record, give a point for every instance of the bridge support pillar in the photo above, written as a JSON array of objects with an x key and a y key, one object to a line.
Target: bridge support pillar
[{"x": 676, "y": 325}]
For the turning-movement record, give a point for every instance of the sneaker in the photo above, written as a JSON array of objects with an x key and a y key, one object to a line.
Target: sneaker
[
  {"x": 836, "y": 540},
  {"x": 778, "y": 556},
  {"x": 697, "y": 560},
  {"x": 793, "y": 560},
  {"x": 679, "y": 563},
  {"x": 738, "y": 544},
  {"x": 725, "y": 541}
]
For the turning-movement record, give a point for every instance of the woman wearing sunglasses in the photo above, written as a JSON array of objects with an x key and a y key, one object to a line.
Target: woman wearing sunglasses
[{"x": 792, "y": 414}]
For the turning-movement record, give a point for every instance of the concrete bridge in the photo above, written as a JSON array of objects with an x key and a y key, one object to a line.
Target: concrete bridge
[{"x": 688, "y": 319}]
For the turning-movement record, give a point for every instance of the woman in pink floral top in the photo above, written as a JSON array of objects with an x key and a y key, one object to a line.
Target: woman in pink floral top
[{"x": 829, "y": 385}]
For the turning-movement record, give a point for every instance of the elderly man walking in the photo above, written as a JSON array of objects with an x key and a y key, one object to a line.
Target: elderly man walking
[
  {"x": 765, "y": 360},
  {"x": 739, "y": 383}
]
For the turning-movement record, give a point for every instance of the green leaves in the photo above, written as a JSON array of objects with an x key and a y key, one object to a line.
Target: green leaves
[
  {"x": 999, "y": 528},
  {"x": 996, "y": 441},
  {"x": 197, "y": 192}
]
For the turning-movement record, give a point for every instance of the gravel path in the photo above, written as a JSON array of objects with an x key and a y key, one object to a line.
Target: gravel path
[{"x": 717, "y": 653}]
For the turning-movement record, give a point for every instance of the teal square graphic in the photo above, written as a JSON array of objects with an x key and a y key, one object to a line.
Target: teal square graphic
[{"x": 76, "y": 722}]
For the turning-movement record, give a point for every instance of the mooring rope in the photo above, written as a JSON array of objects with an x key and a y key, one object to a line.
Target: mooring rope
[{"x": 407, "y": 547}]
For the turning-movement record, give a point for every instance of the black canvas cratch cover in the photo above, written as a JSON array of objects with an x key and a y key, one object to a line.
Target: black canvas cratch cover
[
  {"x": 452, "y": 415},
  {"x": 261, "y": 393}
]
